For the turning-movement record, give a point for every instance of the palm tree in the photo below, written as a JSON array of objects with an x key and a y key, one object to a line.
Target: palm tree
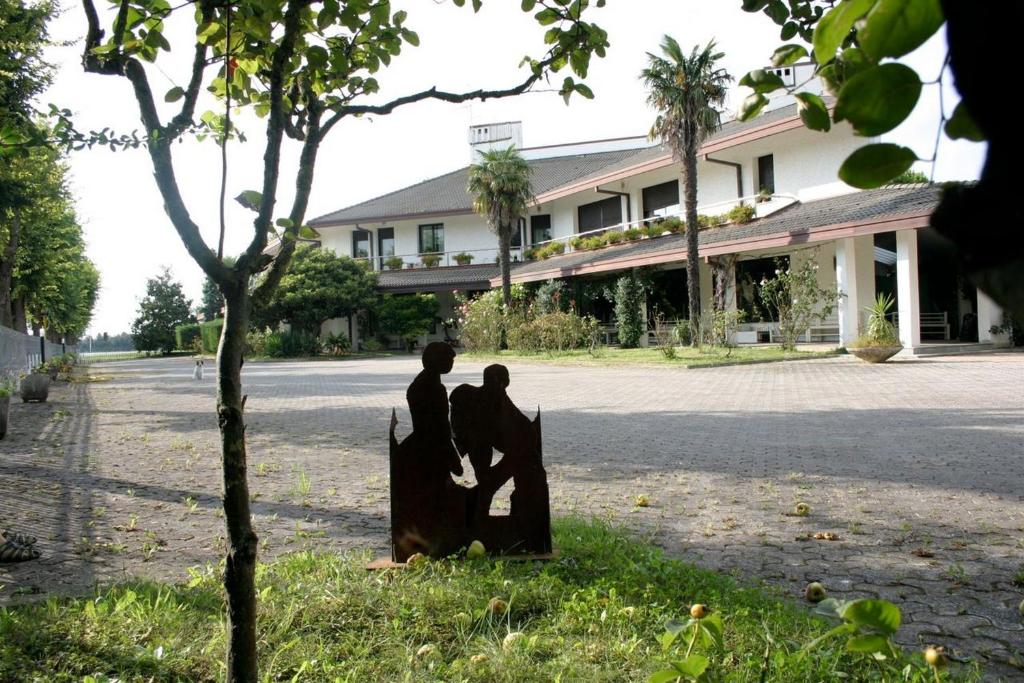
[
  {"x": 684, "y": 90},
  {"x": 501, "y": 189}
]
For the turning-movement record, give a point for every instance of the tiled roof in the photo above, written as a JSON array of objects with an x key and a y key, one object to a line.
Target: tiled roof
[
  {"x": 446, "y": 194},
  {"x": 438, "y": 279},
  {"x": 796, "y": 219}
]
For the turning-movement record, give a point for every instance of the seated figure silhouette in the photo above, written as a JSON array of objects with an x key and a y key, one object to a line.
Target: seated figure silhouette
[
  {"x": 485, "y": 419},
  {"x": 428, "y": 509}
]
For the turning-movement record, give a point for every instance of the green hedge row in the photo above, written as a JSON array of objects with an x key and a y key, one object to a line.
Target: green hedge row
[
  {"x": 185, "y": 336},
  {"x": 210, "y": 332}
]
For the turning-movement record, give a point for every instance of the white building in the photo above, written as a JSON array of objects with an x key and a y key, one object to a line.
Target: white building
[{"x": 864, "y": 241}]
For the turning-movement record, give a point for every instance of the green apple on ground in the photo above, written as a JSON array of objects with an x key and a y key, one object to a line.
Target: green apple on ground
[
  {"x": 476, "y": 551},
  {"x": 815, "y": 592}
]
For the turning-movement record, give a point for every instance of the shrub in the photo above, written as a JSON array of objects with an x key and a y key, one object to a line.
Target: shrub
[
  {"x": 463, "y": 259},
  {"x": 663, "y": 336},
  {"x": 614, "y": 237},
  {"x": 595, "y": 242},
  {"x": 337, "y": 344},
  {"x": 394, "y": 262},
  {"x": 577, "y": 242},
  {"x": 407, "y": 316},
  {"x": 742, "y": 213},
  {"x": 629, "y": 314},
  {"x": 185, "y": 336},
  {"x": 372, "y": 345},
  {"x": 681, "y": 333},
  {"x": 717, "y": 328},
  {"x": 292, "y": 344},
  {"x": 550, "y": 297},
  {"x": 256, "y": 343},
  {"x": 714, "y": 221},
  {"x": 879, "y": 331},
  {"x": 430, "y": 260},
  {"x": 548, "y": 250},
  {"x": 673, "y": 224},
  {"x": 632, "y": 234},
  {"x": 558, "y": 331},
  {"x": 530, "y": 253},
  {"x": 796, "y": 298},
  {"x": 210, "y": 334},
  {"x": 481, "y": 321}
]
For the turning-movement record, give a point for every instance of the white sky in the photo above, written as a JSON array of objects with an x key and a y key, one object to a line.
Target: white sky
[{"x": 130, "y": 238}]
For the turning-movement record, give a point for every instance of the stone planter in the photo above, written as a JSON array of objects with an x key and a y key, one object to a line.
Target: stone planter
[
  {"x": 5, "y": 411},
  {"x": 35, "y": 387},
  {"x": 875, "y": 354}
]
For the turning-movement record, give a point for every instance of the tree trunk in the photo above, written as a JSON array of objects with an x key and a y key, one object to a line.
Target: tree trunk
[
  {"x": 7, "y": 270},
  {"x": 240, "y": 569},
  {"x": 505, "y": 246},
  {"x": 692, "y": 264},
  {"x": 18, "y": 314}
]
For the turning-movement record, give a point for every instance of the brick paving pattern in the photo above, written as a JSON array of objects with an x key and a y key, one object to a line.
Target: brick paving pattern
[{"x": 916, "y": 465}]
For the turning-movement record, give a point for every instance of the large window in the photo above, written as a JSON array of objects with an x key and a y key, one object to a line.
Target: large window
[
  {"x": 661, "y": 200},
  {"x": 602, "y": 214},
  {"x": 386, "y": 242},
  {"x": 360, "y": 244},
  {"x": 749, "y": 275},
  {"x": 766, "y": 173},
  {"x": 540, "y": 228},
  {"x": 517, "y": 234},
  {"x": 432, "y": 238}
]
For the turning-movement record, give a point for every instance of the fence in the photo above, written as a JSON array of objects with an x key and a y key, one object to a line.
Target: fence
[{"x": 20, "y": 352}]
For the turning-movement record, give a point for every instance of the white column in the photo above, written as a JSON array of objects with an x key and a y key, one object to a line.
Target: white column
[
  {"x": 989, "y": 314},
  {"x": 907, "y": 288},
  {"x": 855, "y": 278}
]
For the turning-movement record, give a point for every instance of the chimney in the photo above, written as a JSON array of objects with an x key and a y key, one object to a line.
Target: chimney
[
  {"x": 488, "y": 136},
  {"x": 799, "y": 74}
]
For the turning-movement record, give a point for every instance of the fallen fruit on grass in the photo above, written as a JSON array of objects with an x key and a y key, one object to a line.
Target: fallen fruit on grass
[
  {"x": 511, "y": 640},
  {"x": 802, "y": 510},
  {"x": 628, "y": 612},
  {"x": 416, "y": 560},
  {"x": 642, "y": 501},
  {"x": 935, "y": 656},
  {"x": 497, "y": 606},
  {"x": 699, "y": 611},
  {"x": 478, "y": 659},
  {"x": 426, "y": 651},
  {"x": 815, "y": 592},
  {"x": 476, "y": 550}
]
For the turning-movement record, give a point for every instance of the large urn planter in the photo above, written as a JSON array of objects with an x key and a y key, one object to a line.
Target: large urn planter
[
  {"x": 875, "y": 354},
  {"x": 35, "y": 387},
  {"x": 5, "y": 411}
]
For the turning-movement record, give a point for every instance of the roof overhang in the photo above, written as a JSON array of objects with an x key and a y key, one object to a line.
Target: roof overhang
[
  {"x": 390, "y": 218},
  {"x": 809, "y": 236}
]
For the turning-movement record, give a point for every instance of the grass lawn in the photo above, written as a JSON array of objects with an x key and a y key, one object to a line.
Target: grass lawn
[
  {"x": 686, "y": 357},
  {"x": 593, "y": 615}
]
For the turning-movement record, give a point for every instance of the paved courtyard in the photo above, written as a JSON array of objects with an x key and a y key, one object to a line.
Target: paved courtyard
[{"x": 916, "y": 466}]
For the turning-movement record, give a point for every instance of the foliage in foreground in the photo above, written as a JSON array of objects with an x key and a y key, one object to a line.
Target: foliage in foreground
[{"x": 594, "y": 615}]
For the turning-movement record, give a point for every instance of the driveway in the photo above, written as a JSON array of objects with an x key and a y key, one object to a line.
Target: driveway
[{"x": 917, "y": 467}]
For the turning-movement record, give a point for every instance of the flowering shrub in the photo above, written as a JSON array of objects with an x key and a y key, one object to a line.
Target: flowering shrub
[
  {"x": 558, "y": 331},
  {"x": 797, "y": 299},
  {"x": 481, "y": 320}
]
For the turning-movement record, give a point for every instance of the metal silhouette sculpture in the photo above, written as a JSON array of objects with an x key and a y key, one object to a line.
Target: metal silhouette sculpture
[{"x": 432, "y": 514}]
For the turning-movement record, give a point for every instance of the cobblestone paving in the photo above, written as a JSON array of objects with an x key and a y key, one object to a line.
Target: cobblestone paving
[{"x": 916, "y": 465}]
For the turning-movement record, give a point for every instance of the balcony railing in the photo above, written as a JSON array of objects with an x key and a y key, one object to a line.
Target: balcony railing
[{"x": 762, "y": 207}]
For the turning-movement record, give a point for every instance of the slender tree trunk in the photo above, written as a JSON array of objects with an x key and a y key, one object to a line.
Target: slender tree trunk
[
  {"x": 692, "y": 263},
  {"x": 240, "y": 570},
  {"x": 7, "y": 270},
  {"x": 18, "y": 314},
  {"x": 505, "y": 246}
]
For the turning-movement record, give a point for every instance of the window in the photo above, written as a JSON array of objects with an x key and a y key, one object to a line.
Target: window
[
  {"x": 766, "y": 173},
  {"x": 748, "y": 286},
  {"x": 517, "y": 234},
  {"x": 540, "y": 228},
  {"x": 386, "y": 242},
  {"x": 602, "y": 214},
  {"x": 432, "y": 238},
  {"x": 360, "y": 244},
  {"x": 661, "y": 200}
]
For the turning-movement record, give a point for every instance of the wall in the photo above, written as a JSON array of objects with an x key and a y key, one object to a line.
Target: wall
[{"x": 21, "y": 352}]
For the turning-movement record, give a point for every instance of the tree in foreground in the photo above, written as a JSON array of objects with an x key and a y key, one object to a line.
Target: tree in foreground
[
  {"x": 162, "y": 309},
  {"x": 304, "y": 67},
  {"x": 500, "y": 186},
  {"x": 320, "y": 285},
  {"x": 685, "y": 90}
]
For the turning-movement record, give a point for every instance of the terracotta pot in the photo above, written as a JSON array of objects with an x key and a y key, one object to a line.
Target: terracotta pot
[
  {"x": 35, "y": 387},
  {"x": 5, "y": 411},
  {"x": 875, "y": 354}
]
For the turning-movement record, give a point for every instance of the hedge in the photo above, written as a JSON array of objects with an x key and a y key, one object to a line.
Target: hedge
[
  {"x": 185, "y": 335},
  {"x": 210, "y": 332}
]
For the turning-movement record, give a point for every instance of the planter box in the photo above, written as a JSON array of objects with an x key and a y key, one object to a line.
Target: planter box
[
  {"x": 875, "y": 354},
  {"x": 5, "y": 411},
  {"x": 35, "y": 387}
]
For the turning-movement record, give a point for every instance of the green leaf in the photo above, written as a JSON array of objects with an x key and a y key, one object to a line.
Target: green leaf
[
  {"x": 878, "y": 99},
  {"x": 585, "y": 91},
  {"x": 868, "y": 644},
  {"x": 754, "y": 5},
  {"x": 829, "y": 607},
  {"x": 788, "y": 54},
  {"x": 174, "y": 94},
  {"x": 762, "y": 81},
  {"x": 752, "y": 106},
  {"x": 546, "y": 17},
  {"x": 528, "y": 5},
  {"x": 961, "y": 126},
  {"x": 675, "y": 626},
  {"x": 284, "y": 223},
  {"x": 896, "y": 27},
  {"x": 833, "y": 28},
  {"x": 874, "y": 165},
  {"x": 712, "y": 630},
  {"x": 411, "y": 37},
  {"x": 813, "y": 111},
  {"x": 250, "y": 199},
  {"x": 880, "y": 615},
  {"x": 663, "y": 676},
  {"x": 308, "y": 233},
  {"x": 693, "y": 666}
]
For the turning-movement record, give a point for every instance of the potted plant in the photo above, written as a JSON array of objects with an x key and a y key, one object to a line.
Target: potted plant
[
  {"x": 7, "y": 387},
  {"x": 430, "y": 260},
  {"x": 35, "y": 386},
  {"x": 1002, "y": 334},
  {"x": 463, "y": 259},
  {"x": 881, "y": 339},
  {"x": 763, "y": 195},
  {"x": 393, "y": 262}
]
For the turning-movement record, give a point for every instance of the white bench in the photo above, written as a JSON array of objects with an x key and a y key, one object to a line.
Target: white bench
[{"x": 931, "y": 323}]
